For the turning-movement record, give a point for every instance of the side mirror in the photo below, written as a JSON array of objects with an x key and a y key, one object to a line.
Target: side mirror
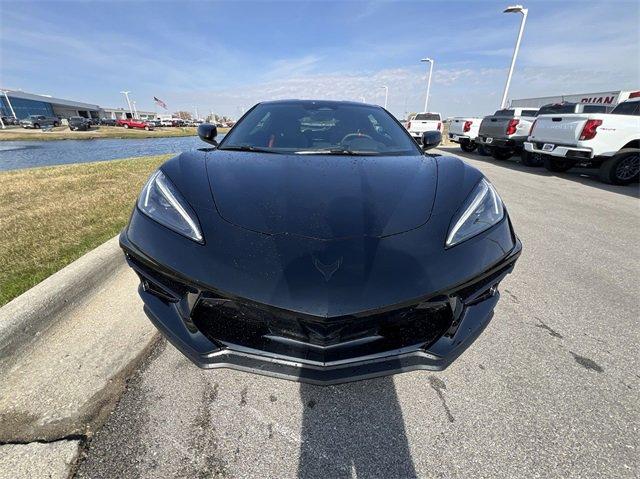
[
  {"x": 431, "y": 139},
  {"x": 207, "y": 133}
]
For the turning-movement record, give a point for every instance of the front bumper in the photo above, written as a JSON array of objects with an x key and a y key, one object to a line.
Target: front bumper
[
  {"x": 561, "y": 151},
  {"x": 222, "y": 331}
]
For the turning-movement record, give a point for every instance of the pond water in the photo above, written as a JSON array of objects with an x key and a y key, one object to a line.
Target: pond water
[{"x": 28, "y": 154}]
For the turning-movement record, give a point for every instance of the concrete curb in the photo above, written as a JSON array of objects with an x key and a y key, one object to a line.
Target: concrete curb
[{"x": 31, "y": 313}]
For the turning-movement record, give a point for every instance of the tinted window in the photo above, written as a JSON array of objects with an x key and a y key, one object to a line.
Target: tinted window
[
  {"x": 504, "y": 113},
  {"x": 627, "y": 108},
  {"x": 557, "y": 109},
  {"x": 529, "y": 112},
  {"x": 325, "y": 127},
  {"x": 595, "y": 109},
  {"x": 427, "y": 116}
]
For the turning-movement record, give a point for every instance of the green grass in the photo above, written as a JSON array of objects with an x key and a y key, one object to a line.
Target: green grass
[{"x": 51, "y": 216}]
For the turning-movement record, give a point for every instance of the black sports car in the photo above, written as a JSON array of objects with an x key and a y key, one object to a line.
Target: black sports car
[{"x": 318, "y": 242}]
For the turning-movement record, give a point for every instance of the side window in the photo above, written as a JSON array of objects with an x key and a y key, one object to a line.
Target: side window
[
  {"x": 529, "y": 112},
  {"x": 627, "y": 108},
  {"x": 595, "y": 109}
]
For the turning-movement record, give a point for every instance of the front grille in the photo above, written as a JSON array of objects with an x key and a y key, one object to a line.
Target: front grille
[{"x": 234, "y": 323}]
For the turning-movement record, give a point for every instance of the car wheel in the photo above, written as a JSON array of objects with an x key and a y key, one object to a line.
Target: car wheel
[
  {"x": 126, "y": 126},
  {"x": 501, "y": 154},
  {"x": 484, "y": 150},
  {"x": 55, "y": 123},
  {"x": 146, "y": 128},
  {"x": 36, "y": 125},
  {"x": 530, "y": 159},
  {"x": 622, "y": 169},
  {"x": 468, "y": 146},
  {"x": 557, "y": 165}
]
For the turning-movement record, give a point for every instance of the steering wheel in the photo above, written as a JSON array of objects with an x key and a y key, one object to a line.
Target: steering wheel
[{"x": 355, "y": 135}]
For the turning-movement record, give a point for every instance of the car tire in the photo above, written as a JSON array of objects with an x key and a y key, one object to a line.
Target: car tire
[
  {"x": 55, "y": 124},
  {"x": 501, "y": 154},
  {"x": 468, "y": 146},
  {"x": 531, "y": 159},
  {"x": 484, "y": 150},
  {"x": 146, "y": 128},
  {"x": 125, "y": 125},
  {"x": 36, "y": 125},
  {"x": 621, "y": 169},
  {"x": 557, "y": 165}
]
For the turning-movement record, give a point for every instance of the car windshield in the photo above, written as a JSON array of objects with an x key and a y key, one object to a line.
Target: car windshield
[{"x": 316, "y": 127}]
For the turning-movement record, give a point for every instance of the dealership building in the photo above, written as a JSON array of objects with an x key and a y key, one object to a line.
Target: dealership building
[{"x": 22, "y": 104}]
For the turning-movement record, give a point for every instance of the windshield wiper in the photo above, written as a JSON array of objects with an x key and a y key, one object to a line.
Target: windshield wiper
[
  {"x": 248, "y": 148},
  {"x": 337, "y": 151}
]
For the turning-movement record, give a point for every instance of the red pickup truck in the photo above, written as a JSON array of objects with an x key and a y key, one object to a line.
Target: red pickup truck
[{"x": 131, "y": 123}]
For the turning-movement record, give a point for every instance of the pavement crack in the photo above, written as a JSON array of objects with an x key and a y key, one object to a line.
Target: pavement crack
[
  {"x": 243, "y": 396},
  {"x": 551, "y": 331},
  {"x": 587, "y": 363},
  {"x": 70, "y": 437},
  {"x": 439, "y": 386}
]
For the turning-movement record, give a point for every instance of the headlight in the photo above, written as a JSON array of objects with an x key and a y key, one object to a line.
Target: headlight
[
  {"x": 161, "y": 201},
  {"x": 482, "y": 209}
]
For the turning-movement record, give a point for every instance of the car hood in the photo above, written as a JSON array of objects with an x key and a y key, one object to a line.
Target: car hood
[{"x": 323, "y": 196}]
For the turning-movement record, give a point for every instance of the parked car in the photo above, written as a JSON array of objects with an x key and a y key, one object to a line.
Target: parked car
[
  {"x": 108, "y": 121},
  {"x": 608, "y": 141},
  {"x": 323, "y": 271},
  {"x": 154, "y": 123},
  {"x": 464, "y": 131},
  {"x": 422, "y": 122},
  {"x": 9, "y": 120},
  {"x": 133, "y": 123},
  {"x": 166, "y": 122},
  {"x": 38, "y": 121},
  {"x": 79, "y": 123},
  {"x": 535, "y": 159},
  {"x": 503, "y": 134}
]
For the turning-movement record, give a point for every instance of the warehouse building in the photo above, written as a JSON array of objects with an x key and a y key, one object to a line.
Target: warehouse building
[
  {"x": 24, "y": 104},
  {"x": 120, "y": 113}
]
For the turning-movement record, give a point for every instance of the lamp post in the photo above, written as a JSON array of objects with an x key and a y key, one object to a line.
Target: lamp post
[
  {"x": 362, "y": 99},
  {"x": 524, "y": 12},
  {"x": 426, "y": 100},
  {"x": 4, "y": 92},
  {"x": 126, "y": 95},
  {"x": 135, "y": 110},
  {"x": 386, "y": 95}
]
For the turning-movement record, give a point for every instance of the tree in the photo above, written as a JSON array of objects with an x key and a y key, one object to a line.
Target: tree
[{"x": 183, "y": 115}]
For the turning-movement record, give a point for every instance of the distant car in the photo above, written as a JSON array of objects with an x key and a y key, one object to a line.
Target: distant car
[
  {"x": 422, "y": 122},
  {"x": 38, "y": 121},
  {"x": 177, "y": 122},
  {"x": 503, "y": 134},
  {"x": 464, "y": 131},
  {"x": 166, "y": 122},
  {"x": 79, "y": 123},
  {"x": 108, "y": 122},
  {"x": 155, "y": 123},
  {"x": 132, "y": 123},
  {"x": 9, "y": 120}
]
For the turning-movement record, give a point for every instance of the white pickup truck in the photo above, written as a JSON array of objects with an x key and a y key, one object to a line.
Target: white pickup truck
[
  {"x": 609, "y": 141},
  {"x": 464, "y": 131},
  {"x": 422, "y": 122}
]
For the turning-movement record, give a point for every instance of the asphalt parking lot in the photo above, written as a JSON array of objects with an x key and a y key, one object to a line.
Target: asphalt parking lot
[{"x": 550, "y": 389}]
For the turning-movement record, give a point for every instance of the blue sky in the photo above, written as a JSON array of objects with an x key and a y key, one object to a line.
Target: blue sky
[{"x": 225, "y": 56}]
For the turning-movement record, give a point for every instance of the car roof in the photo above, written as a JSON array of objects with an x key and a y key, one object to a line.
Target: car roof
[{"x": 318, "y": 102}]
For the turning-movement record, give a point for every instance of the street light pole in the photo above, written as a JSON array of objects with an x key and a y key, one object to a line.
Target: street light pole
[
  {"x": 426, "y": 100},
  {"x": 9, "y": 103},
  {"x": 524, "y": 12},
  {"x": 135, "y": 110},
  {"x": 363, "y": 100},
  {"x": 386, "y": 95},
  {"x": 126, "y": 95}
]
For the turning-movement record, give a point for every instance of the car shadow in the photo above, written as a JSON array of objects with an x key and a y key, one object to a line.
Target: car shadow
[
  {"x": 353, "y": 430},
  {"x": 585, "y": 176}
]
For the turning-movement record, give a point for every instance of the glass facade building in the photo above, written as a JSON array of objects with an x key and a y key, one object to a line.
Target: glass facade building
[{"x": 24, "y": 107}]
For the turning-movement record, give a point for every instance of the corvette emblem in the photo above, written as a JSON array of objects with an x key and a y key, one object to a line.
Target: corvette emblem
[{"x": 327, "y": 270}]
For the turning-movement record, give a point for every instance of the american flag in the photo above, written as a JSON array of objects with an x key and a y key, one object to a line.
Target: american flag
[{"x": 160, "y": 102}]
